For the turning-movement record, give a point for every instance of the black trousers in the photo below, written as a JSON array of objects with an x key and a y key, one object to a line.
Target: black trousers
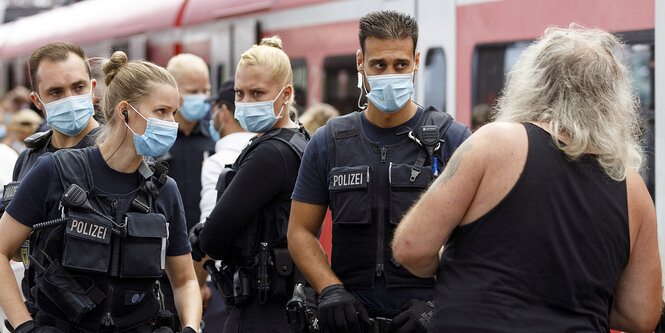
[{"x": 253, "y": 317}]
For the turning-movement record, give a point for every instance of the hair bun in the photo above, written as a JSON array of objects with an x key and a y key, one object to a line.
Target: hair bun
[
  {"x": 273, "y": 41},
  {"x": 113, "y": 65}
]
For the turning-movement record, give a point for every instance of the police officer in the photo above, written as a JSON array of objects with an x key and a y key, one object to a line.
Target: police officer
[
  {"x": 230, "y": 139},
  {"x": 247, "y": 227},
  {"x": 369, "y": 167},
  {"x": 113, "y": 222}
]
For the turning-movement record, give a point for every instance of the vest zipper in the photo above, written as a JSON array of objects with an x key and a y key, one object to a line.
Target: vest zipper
[
  {"x": 380, "y": 228},
  {"x": 108, "y": 320}
]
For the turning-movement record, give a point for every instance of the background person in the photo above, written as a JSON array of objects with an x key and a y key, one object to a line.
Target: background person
[
  {"x": 545, "y": 220},
  {"x": 118, "y": 281},
  {"x": 247, "y": 227},
  {"x": 368, "y": 170},
  {"x": 317, "y": 115},
  {"x": 22, "y": 124},
  {"x": 192, "y": 146}
]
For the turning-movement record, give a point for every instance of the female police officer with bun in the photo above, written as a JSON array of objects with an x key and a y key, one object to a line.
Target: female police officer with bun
[
  {"x": 247, "y": 227},
  {"x": 114, "y": 223}
]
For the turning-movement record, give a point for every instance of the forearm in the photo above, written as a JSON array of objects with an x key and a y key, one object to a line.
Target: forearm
[
  {"x": 310, "y": 258},
  {"x": 188, "y": 303},
  {"x": 10, "y": 297}
]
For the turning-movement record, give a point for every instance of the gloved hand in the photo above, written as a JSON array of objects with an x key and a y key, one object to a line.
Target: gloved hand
[
  {"x": 341, "y": 312},
  {"x": 188, "y": 330},
  {"x": 415, "y": 317},
  {"x": 197, "y": 252},
  {"x": 31, "y": 326}
]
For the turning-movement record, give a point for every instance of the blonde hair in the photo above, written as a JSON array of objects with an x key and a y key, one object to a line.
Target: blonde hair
[
  {"x": 186, "y": 62},
  {"x": 317, "y": 116},
  {"x": 575, "y": 80},
  {"x": 269, "y": 53},
  {"x": 128, "y": 81}
]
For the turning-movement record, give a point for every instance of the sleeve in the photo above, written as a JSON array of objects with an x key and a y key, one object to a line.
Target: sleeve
[
  {"x": 209, "y": 175},
  {"x": 32, "y": 201},
  {"x": 170, "y": 201},
  {"x": 455, "y": 135},
  {"x": 260, "y": 177},
  {"x": 312, "y": 184}
]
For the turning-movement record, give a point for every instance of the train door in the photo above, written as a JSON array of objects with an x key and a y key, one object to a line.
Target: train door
[{"x": 435, "y": 82}]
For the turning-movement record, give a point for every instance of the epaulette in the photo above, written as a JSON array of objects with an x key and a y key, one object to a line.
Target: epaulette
[{"x": 38, "y": 140}]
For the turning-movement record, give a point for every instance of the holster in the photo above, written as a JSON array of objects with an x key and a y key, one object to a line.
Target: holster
[{"x": 66, "y": 293}]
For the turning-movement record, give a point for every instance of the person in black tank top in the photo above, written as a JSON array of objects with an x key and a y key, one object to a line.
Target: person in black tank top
[{"x": 547, "y": 225}]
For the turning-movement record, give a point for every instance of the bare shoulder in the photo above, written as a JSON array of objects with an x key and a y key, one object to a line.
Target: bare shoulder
[
  {"x": 641, "y": 209},
  {"x": 498, "y": 138}
]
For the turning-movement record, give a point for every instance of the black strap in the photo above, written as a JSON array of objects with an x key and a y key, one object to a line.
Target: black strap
[{"x": 428, "y": 137}]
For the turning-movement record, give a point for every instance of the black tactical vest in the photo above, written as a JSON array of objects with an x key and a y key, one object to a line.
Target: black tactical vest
[
  {"x": 270, "y": 224},
  {"x": 113, "y": 255},
  {"x": 371, "y": 187}
]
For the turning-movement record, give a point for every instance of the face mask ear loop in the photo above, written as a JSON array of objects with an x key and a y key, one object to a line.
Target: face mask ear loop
[
  {"x": 126, "y": 124},
  {"x": 361, "y": 85}
]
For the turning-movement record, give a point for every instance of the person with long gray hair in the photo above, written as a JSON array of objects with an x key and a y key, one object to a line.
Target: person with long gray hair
[{"x": 546, "y": 222}]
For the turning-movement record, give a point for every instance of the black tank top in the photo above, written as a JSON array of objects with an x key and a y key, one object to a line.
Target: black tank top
[{"x": 546, "y": 258}]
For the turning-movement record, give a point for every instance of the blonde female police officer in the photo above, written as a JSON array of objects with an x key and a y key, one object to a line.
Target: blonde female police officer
[
  {"x": 247, "y": 227},
  {"x": 115, "y": 223}
]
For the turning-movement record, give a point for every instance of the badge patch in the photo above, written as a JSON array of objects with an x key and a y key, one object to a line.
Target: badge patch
[
  {"x": 346, "y": 178},
  {"x": 88, "y": 229}
]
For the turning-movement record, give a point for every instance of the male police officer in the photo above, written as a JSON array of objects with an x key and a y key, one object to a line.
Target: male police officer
[
  {"x": 193, "y": 144},
  {"x": 368, "y": 167},
  {"x": 230, "y": 139},
  {"x": 62, "y": 88}
]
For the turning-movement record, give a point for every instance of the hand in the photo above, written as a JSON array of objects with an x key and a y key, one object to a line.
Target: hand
[
  {"x": 206, "y": 294},
  {"x": 415, "y": 317},
  {"x": 341, "y": 312},
  {"x": 197, "y": 253},
  {"x": 30, "y": 326}
]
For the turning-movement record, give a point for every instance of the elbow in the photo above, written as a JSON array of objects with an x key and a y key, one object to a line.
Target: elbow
[{"x": 417, "y": 262}]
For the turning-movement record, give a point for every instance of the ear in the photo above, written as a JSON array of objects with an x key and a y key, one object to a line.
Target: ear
[
  {"x": 417, "y": 63},
  {"x": 93, "y": 84},
  {"x": 288, "y": 92},
  {"x": 359, "y": 61},
  {"x": 36, "y": 102},
  {"x": 122, "y": 106}
]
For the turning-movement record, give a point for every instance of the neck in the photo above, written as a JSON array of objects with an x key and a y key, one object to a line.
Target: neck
[
  {"x": 120, "y": 155},
  {"x": 185, "y": 125},
  {"x": 60, "y": 140},
  {"x": 232, "y": 126},
  {"x": 388, "y": 120}
]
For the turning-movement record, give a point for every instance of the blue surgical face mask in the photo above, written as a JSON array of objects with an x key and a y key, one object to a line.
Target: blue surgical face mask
[
  {"x": 158, "y": 137},
  {"x": 194, "y": 107},
  {"x": 389, "y": 93},
  {"x": 258, "y": 117},
  {"x": 69, "y": 115},
  {"x": 214, "y": 134},
  {"x": 3, "y": 131}
]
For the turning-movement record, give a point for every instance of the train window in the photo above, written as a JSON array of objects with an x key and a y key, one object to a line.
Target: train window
[
  {"x": 299, "y": 67},
  {"x": 435, "y": 78},
  {"x": 339, "y": 83}
]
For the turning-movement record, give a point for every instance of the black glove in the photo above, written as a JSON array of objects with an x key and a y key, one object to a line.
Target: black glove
[
  {"x": 30, "y": 326},
  {"x": 188, "y": 330},
  {"x": 197, "y": 253},
  {"x": 340, "y": 312},
  {"x": 415, "y": 317}
]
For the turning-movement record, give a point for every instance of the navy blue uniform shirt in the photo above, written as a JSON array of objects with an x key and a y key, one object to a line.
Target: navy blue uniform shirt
[
  {"x": 185, "y": 162},
  {"x": 38, "y": 197}
]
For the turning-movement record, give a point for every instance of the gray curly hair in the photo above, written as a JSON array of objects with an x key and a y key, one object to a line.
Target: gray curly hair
[{"x": 576, "y": 81}]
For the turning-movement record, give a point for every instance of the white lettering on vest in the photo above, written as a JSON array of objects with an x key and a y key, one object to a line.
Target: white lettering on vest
[
  {"x": 348, "y": 179},
  {"x": 89, "y": 229}
]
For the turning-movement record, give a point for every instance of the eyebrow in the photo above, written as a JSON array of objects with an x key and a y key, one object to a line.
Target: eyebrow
[{"x": 380, "y": 60}]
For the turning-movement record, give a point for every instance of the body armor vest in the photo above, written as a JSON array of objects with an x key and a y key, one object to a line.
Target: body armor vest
[
  {"x": 109, "y": 248},
  {"x": 371, "y": 188}
]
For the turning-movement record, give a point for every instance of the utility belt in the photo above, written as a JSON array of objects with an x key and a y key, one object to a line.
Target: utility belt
[
  {"x": 301, "y": 314},
  {"x": 271, "y": 275}
]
